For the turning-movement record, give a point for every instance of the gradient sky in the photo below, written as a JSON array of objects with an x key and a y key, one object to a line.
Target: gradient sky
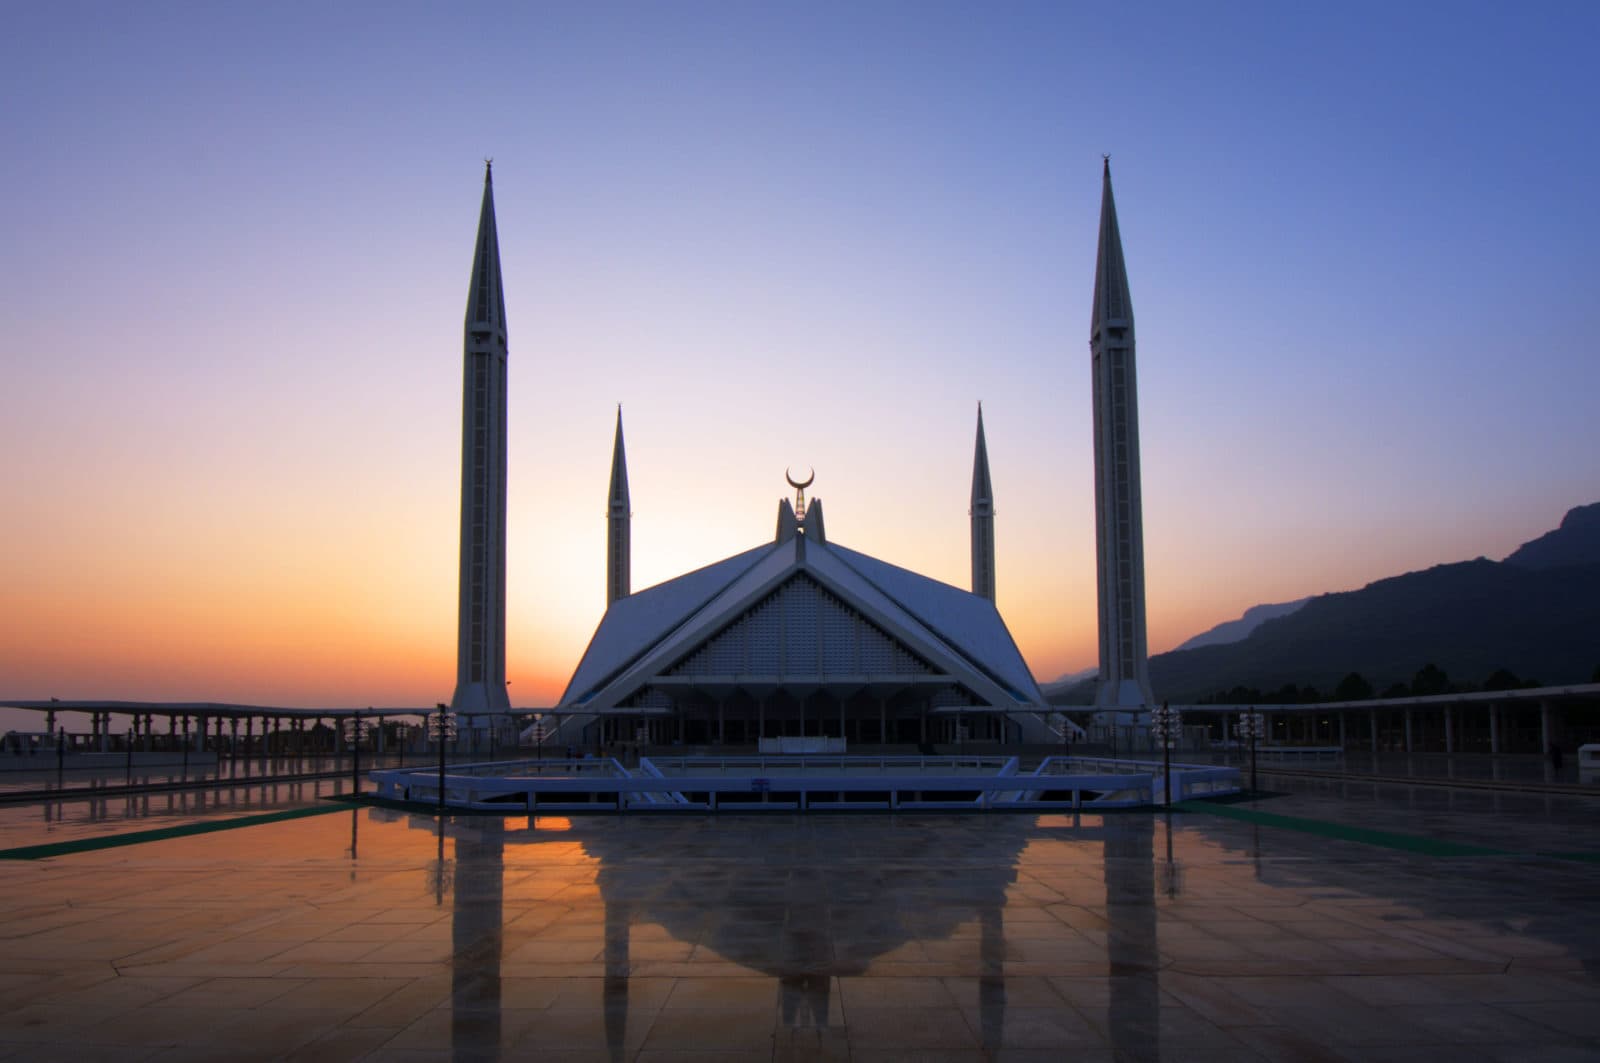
[{"x": 234, "y": 247}]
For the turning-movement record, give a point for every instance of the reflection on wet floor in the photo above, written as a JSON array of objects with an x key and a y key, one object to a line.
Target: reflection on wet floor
[{"x": 382, "y": 934}]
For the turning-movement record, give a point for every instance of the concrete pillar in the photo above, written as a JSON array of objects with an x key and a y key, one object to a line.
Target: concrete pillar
[
  {"x": 1546, "y": 727},
  {"x": 1343, "y": 737},
  {"x": 219, "y": 734},
  {"x": 883, "y": 719},
  {"x": 233, "y": 741},
  {"x": 1372, "y": 728},
  {"x": 50, "y": 720},
  {"x": 1449, "y": 730},
  {"x": 761, "y": 717},
  {"x": 1408, "y": 730},
  {"x": 1494, "y": 728},
  {"x": 105, "y": 732},
  {"x": 721, "y": 730},
  {"x": 149, "y": 729},
  {"x": 199, "y": 742}
]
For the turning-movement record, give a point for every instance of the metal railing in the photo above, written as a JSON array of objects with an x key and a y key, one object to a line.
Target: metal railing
[{"x": 781, "y": 784}]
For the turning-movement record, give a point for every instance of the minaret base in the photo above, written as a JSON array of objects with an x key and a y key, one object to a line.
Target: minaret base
[
  {"x": 1126, "y": 695},
  {"x": 478, "y": 697}
]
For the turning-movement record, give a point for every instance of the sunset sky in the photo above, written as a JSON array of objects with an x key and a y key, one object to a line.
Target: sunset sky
[{"x": 234, "y": 250}]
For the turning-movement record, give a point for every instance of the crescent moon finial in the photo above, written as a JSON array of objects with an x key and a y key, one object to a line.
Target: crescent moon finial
[{"x": 800, "y": 486}]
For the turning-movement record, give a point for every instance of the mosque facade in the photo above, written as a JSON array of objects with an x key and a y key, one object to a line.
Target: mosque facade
[{"x": 800, "y": 636}]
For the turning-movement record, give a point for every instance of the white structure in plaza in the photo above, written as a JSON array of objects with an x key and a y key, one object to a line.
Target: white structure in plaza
[
  {"x": 481, "y": 634},
  {"x": 1119, "y": 527},
  {"x": 802, "y": 637}
]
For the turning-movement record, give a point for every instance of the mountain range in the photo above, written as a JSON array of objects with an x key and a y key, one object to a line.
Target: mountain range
[{"x": 1535, "y": 614}]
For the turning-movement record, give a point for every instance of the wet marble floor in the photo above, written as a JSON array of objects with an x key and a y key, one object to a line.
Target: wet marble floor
[{"x": 369, "y": 933}]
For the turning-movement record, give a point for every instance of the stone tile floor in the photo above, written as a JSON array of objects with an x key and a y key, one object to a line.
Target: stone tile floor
[{"x": 367, "y": 933}]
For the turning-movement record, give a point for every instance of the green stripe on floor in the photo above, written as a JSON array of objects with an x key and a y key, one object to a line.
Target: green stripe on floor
[
  {"x": 1410, "y": 843},
  {"x": 139, "y": 837}
]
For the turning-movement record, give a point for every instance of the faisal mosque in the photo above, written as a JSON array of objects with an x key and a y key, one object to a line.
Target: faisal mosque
[{"x": 800, "y": 636}]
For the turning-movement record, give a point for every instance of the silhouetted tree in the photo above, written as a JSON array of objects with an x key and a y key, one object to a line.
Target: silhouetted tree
[
  {"x": 1430, "y": 680},
  {"x": 1502, "y": 679},
  {"x": 1352, "y": 687},
  {"x": 1397, "y": 690}
]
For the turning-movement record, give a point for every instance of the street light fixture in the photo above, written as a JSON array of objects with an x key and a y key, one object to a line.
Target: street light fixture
[
  {"x": 442, "y": 725},
  {"x": 354, "y": 727},
  {"x": 1252, "y": 727},
  {"x": 1166, "y": 724}
]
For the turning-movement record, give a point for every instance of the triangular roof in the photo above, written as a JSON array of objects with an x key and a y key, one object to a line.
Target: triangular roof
[
  {"x": 619, "y": 467},
  {"x": 959, "y": 634},
  {"x": 982, "y": 488},
  {"x": 1113, "y": 305},
  {"x": 486, "y": 295}
]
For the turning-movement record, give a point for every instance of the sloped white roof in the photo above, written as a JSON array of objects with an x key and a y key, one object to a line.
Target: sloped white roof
[
  {"x": 634, "y": 624},
  {"x": 645, "y": 634},
  {"x": 968, "y": 622}
]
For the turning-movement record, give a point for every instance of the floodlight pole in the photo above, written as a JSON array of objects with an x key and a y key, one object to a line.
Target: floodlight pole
[
  {"x": 1166, "y": 752},
  {"x": 443, "y": 729},
  {"x": 1255, "y": 733},
  {"x": 355, "y": 755}
]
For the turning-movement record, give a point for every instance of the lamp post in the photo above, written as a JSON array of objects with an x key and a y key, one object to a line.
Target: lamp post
[
  {"x": 444, "y": 728},
  {"x": 353, "y": 729},
  {"x": 1251, "y": 725},
  {"x": 1165, "y": 722}
]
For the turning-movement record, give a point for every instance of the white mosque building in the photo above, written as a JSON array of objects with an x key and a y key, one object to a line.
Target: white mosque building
[{"x": 799, "y": 637}]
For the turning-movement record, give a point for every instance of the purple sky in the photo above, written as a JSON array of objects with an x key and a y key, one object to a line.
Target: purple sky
[{"x": 234, "y": 244}]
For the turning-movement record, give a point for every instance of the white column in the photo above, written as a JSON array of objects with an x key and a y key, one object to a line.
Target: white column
[
  {"x": 1372, "y": 728},
  {"x": 1343, "y": 742},
  {"x": 1546, "y": 730},
  {"x": 1408, "y": 730},
  {"x": 1449, "y": 730},
  {"x": 1494, "y": 728}
]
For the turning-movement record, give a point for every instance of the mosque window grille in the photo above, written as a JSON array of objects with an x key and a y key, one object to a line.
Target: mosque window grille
[
  {"x": 800, "y": 629},
  {"x": 649, "y": 698},
  {"x": 954, "y": 697}
]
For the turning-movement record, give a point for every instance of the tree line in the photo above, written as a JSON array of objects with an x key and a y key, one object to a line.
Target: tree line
[{"x": 1430, "y": 679}]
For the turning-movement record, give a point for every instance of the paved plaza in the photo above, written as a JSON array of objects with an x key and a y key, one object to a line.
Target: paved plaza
[{"x": 1332, "y": 922}]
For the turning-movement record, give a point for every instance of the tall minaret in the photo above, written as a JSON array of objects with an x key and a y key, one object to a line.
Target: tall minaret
[
  {"x": 982, "y": 513},
  {"x": 1119, "y": 530},
  {"x": 481, "y": 640},
  {"x": 618, "y": 518}
]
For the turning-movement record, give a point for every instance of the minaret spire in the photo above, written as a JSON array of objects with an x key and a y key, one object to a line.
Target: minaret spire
[
  {"x": 619, "y": 517},
  {"x": 982, "y": 513},
  {"x": 1119, "y": 524},
  {"x": 481, "y": 632}
]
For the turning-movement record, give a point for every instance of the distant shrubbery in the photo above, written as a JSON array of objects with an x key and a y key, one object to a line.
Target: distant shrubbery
[{"x": 1430, "y": 679}]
